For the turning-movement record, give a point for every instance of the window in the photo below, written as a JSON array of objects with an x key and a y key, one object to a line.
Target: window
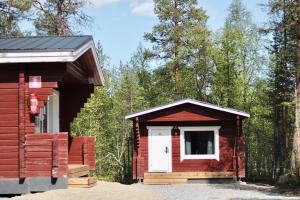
[
  {"x": 199, "y": 142},
  {"x": 48, "y": 119}
]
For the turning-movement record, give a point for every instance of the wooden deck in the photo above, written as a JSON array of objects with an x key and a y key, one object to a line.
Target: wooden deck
[
  {"x": 183, "y": 177},
  {"x": 78, "y": 177}
]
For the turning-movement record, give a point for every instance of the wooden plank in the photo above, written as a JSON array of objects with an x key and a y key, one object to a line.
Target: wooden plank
[
  {"x": 188, "y": 175},
  {"x": 8, "y": 111},
  {"x": 78, "y": 174},
  {"x": 8, "y": 85},
  {"x": 9, "y": 123},
  {"x": 8, "y": 91},
  {"x": 8, "y": 130},
  {"x": 82, "y": 186},
  {"x": 9, "y": 143},
  {"x": 164, "y": 181},
  {"x": 9, "y": 167},
  {"x": 77, "y": 168},
  {"x": 39, "y": 154},
  {"x": 82, "y": 181},
  {"x": 8, "y": 98},
  {"x": 41, "y": 91},
  {"x": 9, "y": 117},
  {"x": 11, "y": 104},
  {"x": 11, "y": 136},
  {"x": 39, "y": 167},
  {"x": 9, "y": 174},
  {"x": 9, "y": 161}
]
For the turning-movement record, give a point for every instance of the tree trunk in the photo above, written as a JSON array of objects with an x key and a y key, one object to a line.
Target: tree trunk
[{"x": 296, "y": 138}]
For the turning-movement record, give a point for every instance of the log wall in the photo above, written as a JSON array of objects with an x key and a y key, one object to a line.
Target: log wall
[{"x": 82, "y": 151}]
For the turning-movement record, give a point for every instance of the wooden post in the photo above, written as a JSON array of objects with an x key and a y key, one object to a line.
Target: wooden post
[
  {"x": 54, "y": 171},
  {"x": 237, "y": 138},
  {"x": 85, "y": 151},
  {"x": 139, "y": 160},
  {"x": 22, "y": 114}
]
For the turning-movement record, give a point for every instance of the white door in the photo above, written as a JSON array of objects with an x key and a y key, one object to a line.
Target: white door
[{"x": 160, "y": 149}]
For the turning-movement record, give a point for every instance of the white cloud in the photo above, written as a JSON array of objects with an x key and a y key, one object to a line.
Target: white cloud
[
  {"x": 100, "y": 3},
  {"x": 143, "y": 9}
]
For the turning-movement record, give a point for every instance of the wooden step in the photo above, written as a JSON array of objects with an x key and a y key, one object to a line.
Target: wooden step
[
  {"x": 188, "y": 175},
  {"x": 77, "y": 170},
  {"x": 164, "y": 181},
  {"x": 83, "y": 182}
]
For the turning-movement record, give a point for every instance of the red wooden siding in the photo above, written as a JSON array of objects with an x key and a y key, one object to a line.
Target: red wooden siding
[
  {"x": 24, "y": 153},
  {"x": 9, "y": 131},
  {"x": 46, "y": 155},
  {"x": 230, "y": 137},
  {"x": 226, "y": 139},
  {"x": 226, "y": 155},
  {"x": 186, "y": 113},
  {"x": 82, "y": 151}
]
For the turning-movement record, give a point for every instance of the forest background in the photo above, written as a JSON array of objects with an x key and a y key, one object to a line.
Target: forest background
[{"x": 242, "y": 66}]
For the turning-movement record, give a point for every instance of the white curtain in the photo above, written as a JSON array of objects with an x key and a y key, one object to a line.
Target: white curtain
[
  {"x": 210, "y": 143},
  {"x": 188, "y": 146}
]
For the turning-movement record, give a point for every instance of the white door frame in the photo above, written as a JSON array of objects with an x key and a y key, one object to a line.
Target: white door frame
[
  {"x": 165, "y": 128},
  {"x": 53, "y": 112}
]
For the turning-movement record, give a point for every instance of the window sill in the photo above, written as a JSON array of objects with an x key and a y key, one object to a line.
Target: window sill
[{"x": 199, "y": 157}]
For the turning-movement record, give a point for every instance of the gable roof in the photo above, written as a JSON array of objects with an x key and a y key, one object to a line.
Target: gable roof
[
  {"x": 30, "y": 49},
  {"x": 193, "y": 102},
  {"x": 43, "y": 43}
]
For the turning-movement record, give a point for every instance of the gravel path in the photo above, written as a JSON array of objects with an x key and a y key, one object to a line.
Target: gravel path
[
  {"x": 116, "y": 191},
  {"x": 204, "y": 191}
]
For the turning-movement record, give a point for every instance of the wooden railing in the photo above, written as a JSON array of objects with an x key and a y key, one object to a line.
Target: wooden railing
[
  {"x": 46, "y": 155},
  {"x": 82, "y": 151}
]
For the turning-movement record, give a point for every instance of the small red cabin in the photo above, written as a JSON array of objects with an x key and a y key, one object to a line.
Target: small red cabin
[
  {"x": 188, "y": 140},
  {"x": 44, "y": 81}
]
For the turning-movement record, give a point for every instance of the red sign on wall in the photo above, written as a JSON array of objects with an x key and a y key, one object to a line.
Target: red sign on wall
[{"x": 35, "y": 81}]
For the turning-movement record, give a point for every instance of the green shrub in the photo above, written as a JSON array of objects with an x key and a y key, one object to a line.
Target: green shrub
[{"x": 289, "y": 181}]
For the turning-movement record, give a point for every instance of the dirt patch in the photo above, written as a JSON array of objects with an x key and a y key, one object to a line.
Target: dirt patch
[{"x": 102, "y": 191}]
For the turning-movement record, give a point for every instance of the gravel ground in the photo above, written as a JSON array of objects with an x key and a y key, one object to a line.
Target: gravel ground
[
  {"x": 116, "y": 191},
  {"x": 210, "y": 191}
]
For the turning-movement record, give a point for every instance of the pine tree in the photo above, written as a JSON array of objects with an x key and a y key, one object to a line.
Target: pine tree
[
  {"x": 11, "y": 12},
  {"x": 283, "y": 78},
  {"x": 60, "y": 17},
  {"x": 178, "y": 21}
]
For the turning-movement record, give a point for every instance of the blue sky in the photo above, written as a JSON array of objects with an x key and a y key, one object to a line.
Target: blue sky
[{"x": 121, "y": 24}]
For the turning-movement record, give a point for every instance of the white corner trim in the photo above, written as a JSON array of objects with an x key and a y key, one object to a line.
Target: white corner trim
[
  {"x": 197, "y": 103},
  {"x": 215, "y": 156},
  {"x": 150, "y": 129}
]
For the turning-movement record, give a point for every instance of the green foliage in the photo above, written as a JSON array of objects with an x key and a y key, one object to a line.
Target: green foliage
[
  {"x": 282, "y": 83},
  {"x": 60, "y": 17},
  {"x": 180, "y": 35},
  {"x": 11, "y": 11},
  {"x": 289, "y": 181},
  {"x": 103, "y": 116}
]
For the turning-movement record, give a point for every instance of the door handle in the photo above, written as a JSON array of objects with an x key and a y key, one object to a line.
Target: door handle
[{"x": 167, "y": 150}]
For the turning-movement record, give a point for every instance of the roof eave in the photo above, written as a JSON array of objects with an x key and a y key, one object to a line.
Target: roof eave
[
  {"x": 57, "y": 56},
  {"x": 215, "y": 107}
]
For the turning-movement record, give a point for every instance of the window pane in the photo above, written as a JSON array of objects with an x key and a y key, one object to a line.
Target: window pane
[{"x": 199, "y": 142}]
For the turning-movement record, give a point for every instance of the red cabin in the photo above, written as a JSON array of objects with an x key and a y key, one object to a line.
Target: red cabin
[
  {"x": 188, "y": 140},
  {"x": 44, "y": 81}
]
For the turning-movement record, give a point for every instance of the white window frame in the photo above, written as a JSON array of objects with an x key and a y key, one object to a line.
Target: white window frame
[{"x": 215, "y": 156}]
